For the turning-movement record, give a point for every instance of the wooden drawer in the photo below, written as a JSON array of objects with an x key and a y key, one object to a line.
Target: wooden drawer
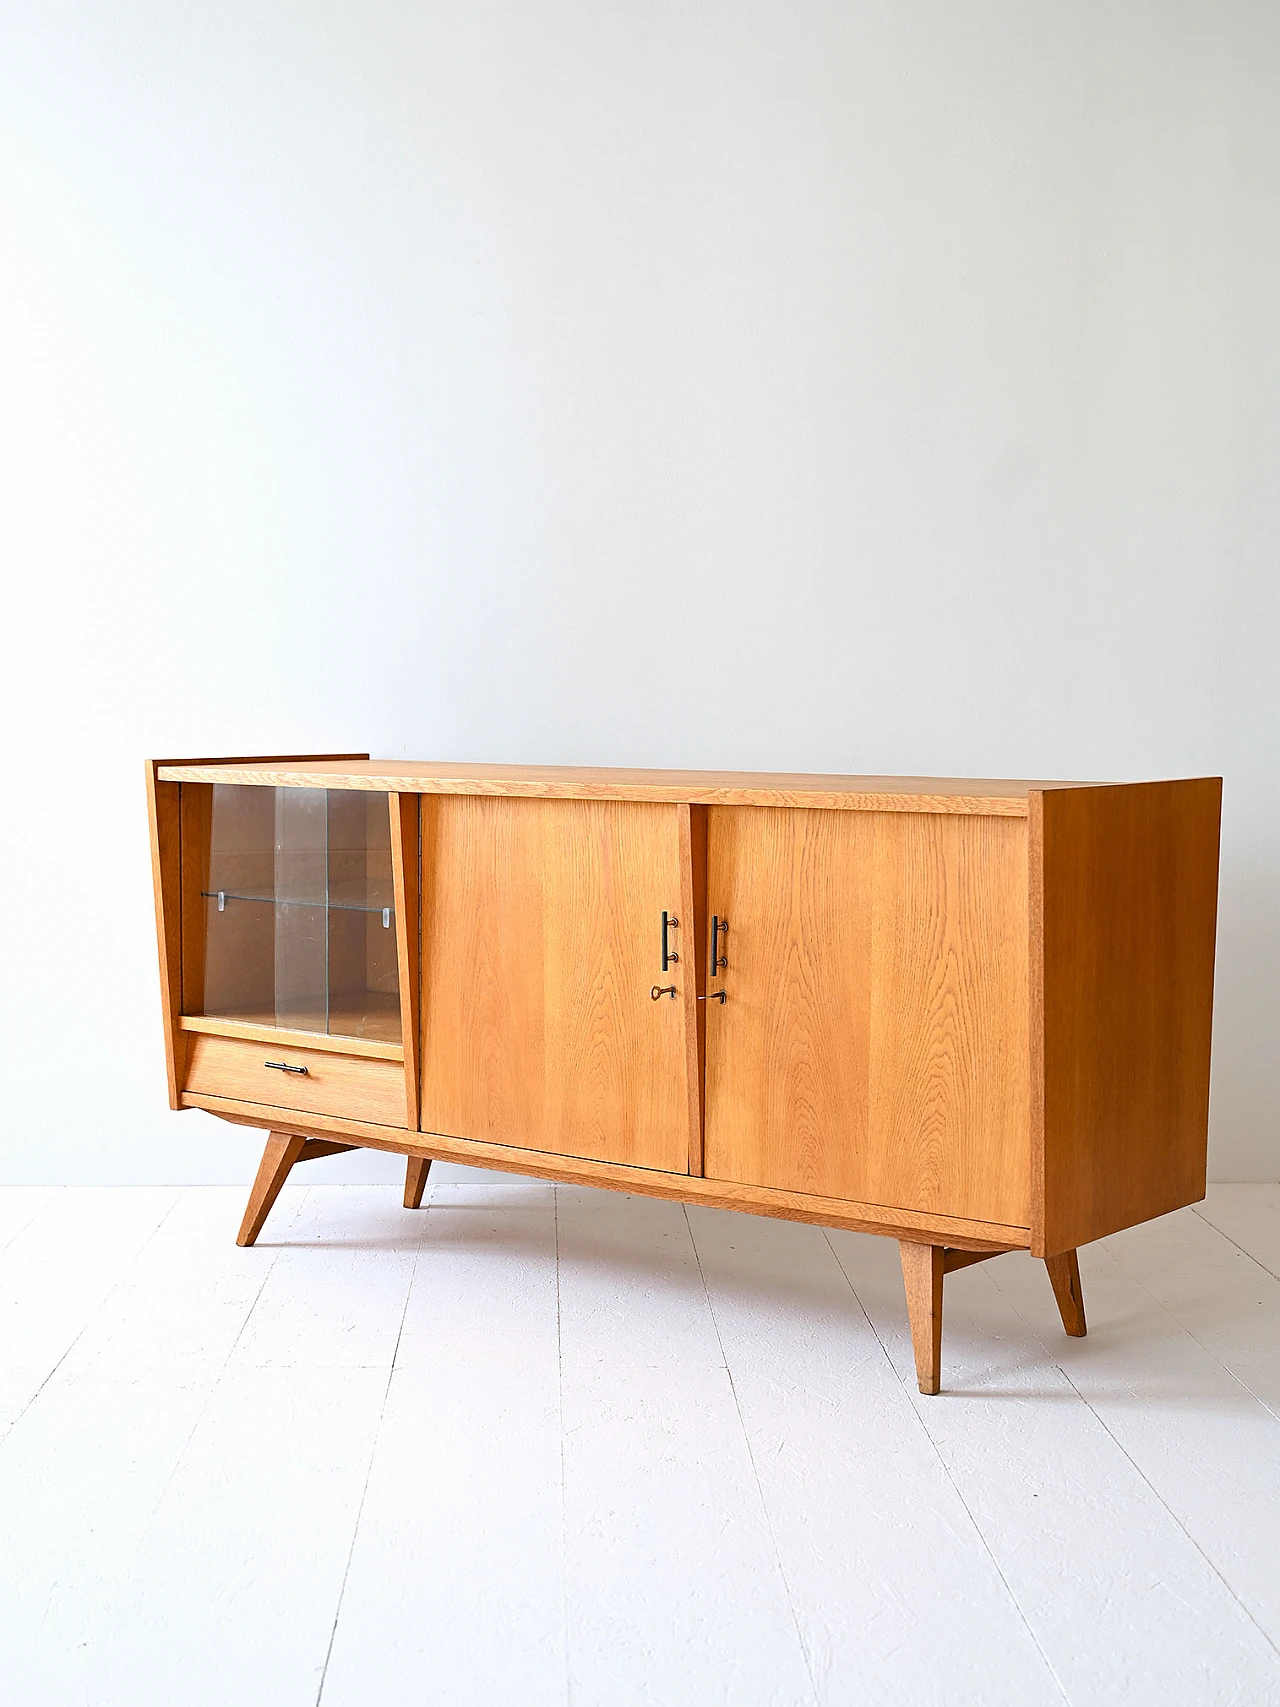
[{"x": 354, "y": 1086}]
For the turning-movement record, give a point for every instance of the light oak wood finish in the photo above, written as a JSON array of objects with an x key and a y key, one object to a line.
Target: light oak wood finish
[
  {"x": 163, "y": 807},
  {"x": 874, "y": 1040},
  {"x": 415, "y": 1180},
  {"x": 1064, "y": 1274},
  {"x": 541, "y": 945},
  {"x": 233, "y": 1067},
  {"x": 215, "y": 1026},
  {"x": 647, "y": 1182},
  {"x": 692, "y": 828},
  {"x": 282, "y": 1150},
  {"x": 1124, "y": 885},
  {"x": 953, "y": 1260},
  {"x": 923, "y": 1267},
  {"x": 972, "y": 1016},
  {"x": 405, "y": 876},
  {"x": 706, "y": 788}
]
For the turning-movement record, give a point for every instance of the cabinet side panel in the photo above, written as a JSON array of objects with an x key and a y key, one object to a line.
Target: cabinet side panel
[
  {"x": 1127, "y": 890},
  {"x": 949, "y": 1080},
  {"x": 166, "y": 878}
]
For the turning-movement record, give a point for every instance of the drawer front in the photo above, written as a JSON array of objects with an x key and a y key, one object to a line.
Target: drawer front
[{"x": 354, "y": 1086}]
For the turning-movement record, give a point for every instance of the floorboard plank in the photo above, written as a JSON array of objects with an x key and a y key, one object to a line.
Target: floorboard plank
[
  {"x": 456, "y": 1586},
  {"x": 19, "y": 1206},
  {"x": 876, "y": 1544},
  {"x": 1249, "y": 1215},
  {"x": 1124, "y": 1605},
  {"x": 56, "y": 1272},
  {"x": 1205, "y": 1446},
  {"x": 336, "y": 1297},
  {"x": 675, "y": 1593},
  {"x": 234, "y": 1589},
  {"x": 84, "y": 1469}
]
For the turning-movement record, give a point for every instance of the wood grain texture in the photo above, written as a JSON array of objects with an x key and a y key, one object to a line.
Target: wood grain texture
[
  {"x": 953, "y": 1260},
  {"x": 923, "y": 1267},
  {"x": 163, "y": 818},
  {"x": 787, "y": 1052},
  {"x": 874, "y": 1041},
  {"x": 354, "y": 1085},
  {"x": 405, "y": 878},
  {"x": 692, "y": 825},
  {"x": 648, "y": 1182},
  {"x": 948, "y": 1094},
  {"x": 1064, "y": 1276},
  {"x": 1124, "y": 885},
  {"x": 415, "y": 1180},
  {"x": 282, "y": 1150},
  {"x": 283, "y": 1037},
  {"x": 989, "y": 796},
  {"x": 541, "y": 942}
]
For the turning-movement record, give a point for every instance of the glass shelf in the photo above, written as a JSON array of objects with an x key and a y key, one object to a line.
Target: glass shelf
[
  {"x": 222, "y": 896},
  {"x": 313, "y": 947}
]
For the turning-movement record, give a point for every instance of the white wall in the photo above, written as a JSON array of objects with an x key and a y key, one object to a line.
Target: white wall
[{"x": 834, "y": 385}]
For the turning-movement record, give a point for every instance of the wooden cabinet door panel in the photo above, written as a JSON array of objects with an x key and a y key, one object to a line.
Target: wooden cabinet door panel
[
  {"x": 787, "y": 1052},
  {"x": 874, "y": 1044},
  {"x": 950, "y": 1047},
  {"x": 541, "y": 942}
]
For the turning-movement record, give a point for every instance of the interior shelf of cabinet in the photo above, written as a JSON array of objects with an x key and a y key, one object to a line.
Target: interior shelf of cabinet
[
  {"x": 222, "y": 896},
  {"x": 365, "y": 1022}
]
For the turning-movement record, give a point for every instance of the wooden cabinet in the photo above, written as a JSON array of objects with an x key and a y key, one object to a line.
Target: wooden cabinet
[{"x": 974, "y": 1016}]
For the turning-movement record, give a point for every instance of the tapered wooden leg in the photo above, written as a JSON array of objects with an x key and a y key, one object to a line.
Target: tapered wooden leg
[
  {"x": 922, "y": 1271},
  {"x": 1064, "y": 1272},
  {"x": 415, "y": 1181},
  {"x": 281, "y": 1153}
]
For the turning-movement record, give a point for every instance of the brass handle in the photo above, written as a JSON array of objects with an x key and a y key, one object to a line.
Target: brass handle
[{"x": 658, "y": 991}]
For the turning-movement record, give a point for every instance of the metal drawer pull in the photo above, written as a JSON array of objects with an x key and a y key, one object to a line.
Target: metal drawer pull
[{"x": 283, "y": 1067}]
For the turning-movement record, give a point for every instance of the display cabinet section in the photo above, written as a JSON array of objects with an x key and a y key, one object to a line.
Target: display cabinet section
[
  {"x": 289, "y": 915},
  {"x": 542, "y": 950}
]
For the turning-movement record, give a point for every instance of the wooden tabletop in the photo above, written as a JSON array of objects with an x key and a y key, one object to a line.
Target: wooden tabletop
[{"x": 986, "y": 796}]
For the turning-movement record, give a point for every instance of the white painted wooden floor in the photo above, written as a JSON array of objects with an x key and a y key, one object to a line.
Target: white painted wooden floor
[{"x": 536, "y": 1445}]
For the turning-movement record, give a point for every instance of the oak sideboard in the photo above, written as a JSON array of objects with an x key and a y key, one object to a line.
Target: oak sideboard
[{"x": 972, "y": 1016}]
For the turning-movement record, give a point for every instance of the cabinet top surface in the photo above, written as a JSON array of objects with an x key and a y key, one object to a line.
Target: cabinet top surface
[{"x": 987, "y": 796}]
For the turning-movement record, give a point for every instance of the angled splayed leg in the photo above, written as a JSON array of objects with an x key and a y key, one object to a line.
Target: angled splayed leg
[
  {"x": 922, "y": 1270},
  {"x": 1064, "y": 1273},
  {"x": 282, "y": 1150},
  {"x": 415, "y": 1180}
]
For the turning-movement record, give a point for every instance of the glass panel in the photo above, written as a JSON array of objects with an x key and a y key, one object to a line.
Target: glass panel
[{"x": 296, "y": 908}]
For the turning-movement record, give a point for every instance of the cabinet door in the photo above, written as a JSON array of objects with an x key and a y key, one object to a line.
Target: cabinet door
[
  {"x": 874, "y": 1041},
  {"x": 542, "y": 939}
]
